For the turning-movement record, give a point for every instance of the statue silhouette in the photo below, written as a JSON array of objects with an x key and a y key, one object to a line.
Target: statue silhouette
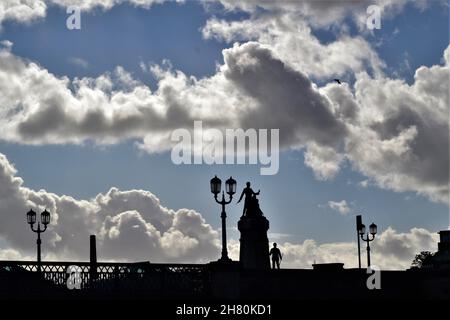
[
  {"x": 250, "y": 201},
  {"x": 253, "y": 207},
  {"x": 276, "y": 256}
]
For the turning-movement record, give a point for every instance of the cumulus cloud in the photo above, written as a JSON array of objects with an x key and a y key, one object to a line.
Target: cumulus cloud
[
  {"x": 292, "y": 40},
  {"x": 22, "y": 10},
  {"x": 322, "y": 14},
  {"x": 112, "y": 107},
  {"x": 6, "y": 44},
  {"x": 325, "y": 161},
  {"x": 394, "y": 133},
  {"x": 27, "y": 11},
  {"x": 130, "y": 225},
  {"x": 319, "y": 14},
  {"x": 393, "y": 127},
  {"x": 292, "y": 101},
  {"x": 402, "y": 138},
  {"x": 134, "y": 226},
  {"x": 340, "y": 206},
  {"x": 392, "y": 250},
  {"x": 11, "y": 254},
  {"x": 385, "y": 128}
]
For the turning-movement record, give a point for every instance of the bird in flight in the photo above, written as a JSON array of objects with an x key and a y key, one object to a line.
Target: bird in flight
[{"x": 338, "y": 81}]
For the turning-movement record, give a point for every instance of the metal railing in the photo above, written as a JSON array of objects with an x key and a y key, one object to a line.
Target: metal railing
[{"x": 109, "y": 277}]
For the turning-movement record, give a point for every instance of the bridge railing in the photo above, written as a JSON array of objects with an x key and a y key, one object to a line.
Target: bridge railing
[{"x": 145, "y": 277}]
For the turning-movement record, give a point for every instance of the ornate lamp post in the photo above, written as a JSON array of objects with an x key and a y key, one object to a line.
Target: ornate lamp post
[
  {"x": 45, "y": 219},
  {"x": 373, "y": 232},
  {"x": 230, "y": 186}
]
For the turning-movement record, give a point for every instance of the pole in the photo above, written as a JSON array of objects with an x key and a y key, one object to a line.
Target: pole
[
  {"x": 358, "y": 226},
  {"x": 223, "y": 215},
  {"x": 359, "y": 250},
  {"x": 92, "y": 259},
  {"x": 368, "y": 251},
  {"x": 38, "y": 242}
]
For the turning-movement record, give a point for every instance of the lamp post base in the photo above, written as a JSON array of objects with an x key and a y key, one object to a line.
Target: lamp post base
[{"x": 224, "y": 260}]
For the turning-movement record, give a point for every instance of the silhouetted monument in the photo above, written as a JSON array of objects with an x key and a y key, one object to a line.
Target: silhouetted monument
[
  {"x": 254, "y": 244},
  {"x": 249, "y": 194}
]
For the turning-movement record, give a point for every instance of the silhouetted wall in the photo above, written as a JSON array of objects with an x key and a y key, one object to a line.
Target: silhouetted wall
[{"x": 217, "y": 281}]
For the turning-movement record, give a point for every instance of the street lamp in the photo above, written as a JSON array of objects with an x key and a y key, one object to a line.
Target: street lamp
[
  {"x": 372, "y": 232},
  {"x": 230, "y": 187},
  {"x": 45, "y": 220}
]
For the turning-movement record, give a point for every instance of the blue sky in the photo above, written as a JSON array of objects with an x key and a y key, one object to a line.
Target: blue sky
[
  {"x": 123, "y": 36},
  {"x": 294, "y": 200}
]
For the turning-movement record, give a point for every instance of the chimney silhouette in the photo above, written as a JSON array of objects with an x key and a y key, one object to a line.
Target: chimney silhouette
[{"x": 92, "y": 258}]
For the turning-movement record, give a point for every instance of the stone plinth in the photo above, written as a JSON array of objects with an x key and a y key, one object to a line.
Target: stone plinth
[{"x": 254, "y": 244}]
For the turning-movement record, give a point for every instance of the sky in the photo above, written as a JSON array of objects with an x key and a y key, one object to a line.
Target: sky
[{"x": 86, "y": 116}]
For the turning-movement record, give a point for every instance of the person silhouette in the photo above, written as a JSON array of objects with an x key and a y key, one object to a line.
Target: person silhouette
[
  {"x": 276, "y": 256},
  {"x": 249, "y": 193}
]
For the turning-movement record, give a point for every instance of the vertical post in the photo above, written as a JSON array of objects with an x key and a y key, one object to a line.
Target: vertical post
[
  {"x": 38, "y": 243},
  {"x": 223, "y": 215},
  {"x": 92, "y": 259},
  {"x": 358, "y": 227},
  {"x": 368, "y": 251}
]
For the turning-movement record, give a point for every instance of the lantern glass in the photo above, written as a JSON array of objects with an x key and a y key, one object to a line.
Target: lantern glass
[
  {"x": 45, "y": 217},
  {"x": 373, "y": 229},
  {"x": 31, "y": 217},
  {"x": 230, "y": 185},
  {"x": 362, "y": 230},
  {"x": 216, "y": 185}
]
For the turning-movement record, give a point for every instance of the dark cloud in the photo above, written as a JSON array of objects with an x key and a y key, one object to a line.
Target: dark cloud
[{"x": 285, "y": 99}]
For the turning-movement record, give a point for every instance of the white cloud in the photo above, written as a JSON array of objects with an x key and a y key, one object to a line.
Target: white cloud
[
  {"x": 79, "y": 62},
  {"x": 134, "y": 226},
  {"x": 316, "y": 13},
  {"x": 22, "y": 10},
  {"x": 323, "y": 14},
  {"x": 340, "y": 206},
  {"x": 394, "y": 133},
  {"x": 398, "y": 134},
  {"x": 88, "y": 5},
  {"x": 364, "y": 183},
  {"x": 11, "y": 254},
  {"x": 402, "y": 139},
  {"x": 385, "y": 128},
  {"x": 390, "y": 250},
  {"x": 39, "y": 108},
  {"x": 292, "y": 40},
  {"x": 6, "y": 44},
  {"x": 27, "y": 11},
  {"x": 130, "y": 225},
  {"x": 323, "y": 160}
]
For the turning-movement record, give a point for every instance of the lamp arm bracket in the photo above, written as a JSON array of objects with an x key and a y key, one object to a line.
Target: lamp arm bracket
[{"x": 229, "y": 201}]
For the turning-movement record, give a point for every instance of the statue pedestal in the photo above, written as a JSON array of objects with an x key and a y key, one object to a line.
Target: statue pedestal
[{"x": 254, "y": 247}]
